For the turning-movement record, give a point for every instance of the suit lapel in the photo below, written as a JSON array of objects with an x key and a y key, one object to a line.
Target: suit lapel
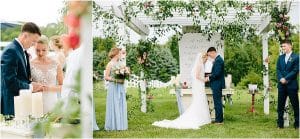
[
  {"x": 212, "y": 69},
  {"x": 289, "y": 62},
  {"x": 21, "y": 55},
  {"x": 283, "y": 65}
]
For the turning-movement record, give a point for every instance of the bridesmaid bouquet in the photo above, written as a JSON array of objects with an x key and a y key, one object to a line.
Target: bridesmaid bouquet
[{"x": 122, "y": 73}]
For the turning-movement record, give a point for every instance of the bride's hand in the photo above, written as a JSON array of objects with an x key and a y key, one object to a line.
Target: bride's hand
[
  {"x": 200, "y": 79},
  {"x": 45, "y": 88}
]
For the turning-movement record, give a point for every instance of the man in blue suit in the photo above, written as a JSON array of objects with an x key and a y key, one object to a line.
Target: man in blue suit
[
  {"x": 15, "y": 68},
  {"x": 287, "y": 71},
  {"x": 217, "y": 82}
]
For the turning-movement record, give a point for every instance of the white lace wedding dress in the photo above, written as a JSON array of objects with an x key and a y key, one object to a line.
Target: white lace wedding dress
[
  {"x": 197, "y": 114},
  {"x": 46, "y": 74}
]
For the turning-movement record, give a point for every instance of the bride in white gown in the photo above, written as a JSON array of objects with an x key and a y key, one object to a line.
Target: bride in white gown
[
  {"x": 197, "y": 114},
  {"x": 48, "y": 72}
]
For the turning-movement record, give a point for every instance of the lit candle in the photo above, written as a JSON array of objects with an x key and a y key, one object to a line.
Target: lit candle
[
  {"x": 228, "y": 81},
  {"x": 37, "y": 105},
  {"x": 26, "y": 103},
  {"x": 229, "y": 76}
]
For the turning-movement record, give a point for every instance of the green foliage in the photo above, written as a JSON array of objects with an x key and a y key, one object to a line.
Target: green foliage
[
  {"x": 49, "y": 30},
  {"x": 196, "y": 10},
  {"x": 251, "y": 78},
  {"x": 52, "y": 29},
  {"x": 240, "y": 58},
  {"x": 281, "y": 26},
  {"x": 64, "y": 120},
  {"x": 174, "y": 47},
  {"x": 101, "y": 47},
  {"x": 159, "y": 65},
  {"x": 10, "y": 33}
]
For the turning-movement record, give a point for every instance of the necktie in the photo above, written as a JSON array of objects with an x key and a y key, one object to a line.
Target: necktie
[
  {"x": 26, "y": 57},
  {"x": 27, "y": 63}
]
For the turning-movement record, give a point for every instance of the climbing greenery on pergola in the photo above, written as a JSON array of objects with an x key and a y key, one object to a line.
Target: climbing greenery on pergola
[{"x": 213, "y": 12}]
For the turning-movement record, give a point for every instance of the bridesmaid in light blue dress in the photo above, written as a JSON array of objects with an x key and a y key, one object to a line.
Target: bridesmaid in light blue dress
[{"x": 116, "y": 106}]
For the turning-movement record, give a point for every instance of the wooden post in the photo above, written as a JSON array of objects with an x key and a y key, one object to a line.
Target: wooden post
[
  {"x": 266, "y": 72},
  {"x": 143, "y": 93},
  {"x": 86, "y": 82}
]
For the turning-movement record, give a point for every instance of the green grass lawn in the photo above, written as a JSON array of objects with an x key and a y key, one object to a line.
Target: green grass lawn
[{"x": 238, "y": 121}]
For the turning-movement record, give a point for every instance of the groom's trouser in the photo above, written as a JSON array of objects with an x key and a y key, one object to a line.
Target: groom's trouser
[
  {"x": 293, "y": 96},
  {"x": 217, "y": 96}
]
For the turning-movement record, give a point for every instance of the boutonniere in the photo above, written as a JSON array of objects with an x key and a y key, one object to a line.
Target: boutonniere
[{"x": 290, "y": 59}]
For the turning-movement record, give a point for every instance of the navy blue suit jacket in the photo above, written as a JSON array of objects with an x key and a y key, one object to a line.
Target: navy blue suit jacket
[
  {"x": 15, "y": 75},
  {"x": 289, "y": 71},
  {"x": 217, "y": 79}
]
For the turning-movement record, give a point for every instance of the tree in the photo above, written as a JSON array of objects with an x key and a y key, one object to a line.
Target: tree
[
  {"x": 101, "y": 47},
  {"x": 9, "y": 34},
  {"x": 160, "y": 64},
  {"x": 52, "y": 29}
]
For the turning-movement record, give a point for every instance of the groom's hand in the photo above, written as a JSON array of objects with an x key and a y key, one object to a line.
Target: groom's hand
[
  {"x": 37, "y": 87},
  {"x": 206, "y": 79},
  {"x": 283, "y": 81}
]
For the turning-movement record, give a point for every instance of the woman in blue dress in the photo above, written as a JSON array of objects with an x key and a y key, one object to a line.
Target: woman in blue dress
[{"x": 116, "y": 106}]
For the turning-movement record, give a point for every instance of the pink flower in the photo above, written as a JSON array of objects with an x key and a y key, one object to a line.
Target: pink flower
[
  {"x": 287, "y": 33},
  {"x": 285, "y": 28},
  {"x": 72, "y": 40},
  {"x": 147, "y": 4},
  {"x": 278, "y": 25},
  {"x": 72, "y": 20},
  {"x": 248, "y": 7}
]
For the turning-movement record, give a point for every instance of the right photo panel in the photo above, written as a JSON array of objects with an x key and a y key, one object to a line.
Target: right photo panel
[{"x": 195, "y": 69}]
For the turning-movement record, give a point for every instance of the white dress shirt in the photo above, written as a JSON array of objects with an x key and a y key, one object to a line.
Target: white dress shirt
[{"x": 287, "y": 56}]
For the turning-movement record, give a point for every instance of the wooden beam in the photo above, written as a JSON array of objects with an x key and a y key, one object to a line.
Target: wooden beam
[
  {"x": 134, "y": 23},
  {"x": 264, "y": 25}
]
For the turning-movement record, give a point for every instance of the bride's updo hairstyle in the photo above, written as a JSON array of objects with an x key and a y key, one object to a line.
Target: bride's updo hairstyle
[
  {"x": 113, "y": 52},
  {"x": 55, "y": 41},
  {"x": 43, "y": 40}
]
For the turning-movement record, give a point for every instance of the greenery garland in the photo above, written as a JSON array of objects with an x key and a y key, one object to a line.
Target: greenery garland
[
  {"x": 281, "y": 26},
  {"x": 214, "y": 12}
]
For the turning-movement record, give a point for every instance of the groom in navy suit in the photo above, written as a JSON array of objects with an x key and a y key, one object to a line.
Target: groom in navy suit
[
  {"x": 15, "y": 68},
  {"x": 217, "y": 82},
  {"x": 287, "y": 71}
]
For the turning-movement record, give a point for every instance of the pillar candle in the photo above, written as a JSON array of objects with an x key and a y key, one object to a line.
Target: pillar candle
[
  {"x": 26, "y": 104},
  {"x": 37, "y": 105},
  {"x": 17, "y": 107}
]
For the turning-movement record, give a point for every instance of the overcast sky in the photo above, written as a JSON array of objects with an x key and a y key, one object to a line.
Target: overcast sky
[{"x": 41, "y": 12}]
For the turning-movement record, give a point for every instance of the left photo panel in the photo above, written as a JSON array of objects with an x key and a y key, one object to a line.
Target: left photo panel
[{"x": 46, "y": 69}]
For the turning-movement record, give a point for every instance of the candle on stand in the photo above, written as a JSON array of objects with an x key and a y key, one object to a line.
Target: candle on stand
[
  {"x": 228, "y": 81},
  {"x": 17, "y": 106},
  {"x": 26, "y": 103},
  {"x": 37, "y": 105},
  {"x": 229, "y": 78}
]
